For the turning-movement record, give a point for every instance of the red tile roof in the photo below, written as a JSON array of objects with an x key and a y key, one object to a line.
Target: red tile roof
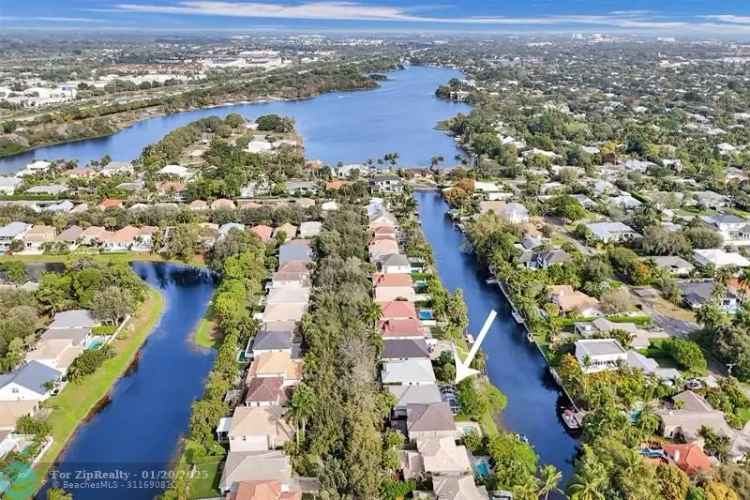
[
  {"x": 688, "y": 457},
  {"x": 394, "y": 279},
  {"x": 397, "y": 309},
  {"x": 401, "y": 328}
]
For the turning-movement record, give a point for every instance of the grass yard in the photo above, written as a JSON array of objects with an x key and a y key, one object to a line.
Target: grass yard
[
  {"x": 205, "y": 481},
  {"x": 76, "y": 400},
  {"x": 206, "y": 335},
  {"x": 109, "y": 257}
]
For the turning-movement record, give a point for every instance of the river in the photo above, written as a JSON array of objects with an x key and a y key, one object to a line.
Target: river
[
  {"x": 351, "y": 127},
  {"x": 513, "y": 364},
  {"x": 138, "y": 432}
]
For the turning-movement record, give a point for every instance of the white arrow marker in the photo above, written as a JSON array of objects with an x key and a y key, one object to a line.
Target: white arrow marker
[{"x": 462, "y": 368}]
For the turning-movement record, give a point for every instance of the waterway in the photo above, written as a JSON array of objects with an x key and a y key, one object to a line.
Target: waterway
[
  {"x": 135, "y": 437},
  {"x": 513, "y": 364},
  {"x": 351, "y": 127}
]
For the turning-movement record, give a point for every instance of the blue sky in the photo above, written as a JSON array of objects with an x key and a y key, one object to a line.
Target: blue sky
[{"x": 682, "y": 17}]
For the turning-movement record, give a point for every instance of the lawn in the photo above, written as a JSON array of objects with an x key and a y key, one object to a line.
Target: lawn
[
  {"x": 206, "y": 335},
  {"x": 77, "y": 400},
  {"x": 205, "y": 481},
  {"x": 108, "y": 257}
]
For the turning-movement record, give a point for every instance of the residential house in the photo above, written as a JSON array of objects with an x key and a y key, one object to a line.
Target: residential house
[
  {"x": 175, "y": 171},
  {"x": 734, "y": 230},
  {"x": 36, "y": 237},
  {"x": 51, "y": 189},
  {"x": 409, "y": 328},
  {"x": 73, "y": 319},
  {"x": 573, "y": 301},
  {"x": 288, "y": 295},
  {"x": 11, "y": 232},
  {"x": 673, "y": 264},
  {"x": 117, "y": 168},
  {"x": 400, "y": 348},
  {"x": 57, "y": 353},
  {"x": 430, "y": 421},
  {"x": 93, "y": 235},
  {"x": 258, "y": 428},
  {"x": 270, "y": 465},
  {"x": 222, "y": 204},
  {"x": 398, "y": 309},
  {"x": 391, "y": 287},
  {"x": 710, "y": 200},
  {"x": 547, "y": 258},
  {"x": 120, "y": 240},
  {"x": 295, "y": 250},
  {"x": 441, "y": 456},
  {"x": 414, "y": 371},
  {"x": 386, "y": 183},
  {"x": 8, "y": 185},
  {"x": 276, "y": 365},
  {"x": 270, "y": 341},
  {"x": 290, "y": 279},
  {"x": 265, "y": 391},
  {"x": 284, "y": 312},
  {"x": 31, "y": 382},
  {"x": 380, "y": 249},
  {"x": 294, "y": 188},
  {"x": 382, "y": 218},
  {"x": 263, "y": 232},
  {"x": 110, "y": 203},
  {"x": 395, "y": 263},
  {"x": 289, "y": 231},
  {"x": 719, "y": 258},
  {"x": 612, "y": 232},
  {"x": 689, "y": 457},
  {"x": 310, "y": 229},
  {"x": 457, "y": 488},
  {"x": 515, "y": 213},
  {"x": 688, "y": 414},
  {"x": 406, "y": 395},
  {"x": 198, "y": 206},
  {"x": 696, "y": 294},
  {"x": 265, "y": 490},
  {"x": 224, "y": 229},
  {"x": 595, "y": 355}
]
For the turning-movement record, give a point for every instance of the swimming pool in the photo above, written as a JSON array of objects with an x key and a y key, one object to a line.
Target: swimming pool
[
  {"x": 482, "y": 467},
  {"x": 426, "y": 315}
]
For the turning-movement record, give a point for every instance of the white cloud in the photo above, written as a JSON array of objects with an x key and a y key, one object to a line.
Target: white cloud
[
  {"x": 51, "y": 19},
  {"x": 729, "y": 18}
]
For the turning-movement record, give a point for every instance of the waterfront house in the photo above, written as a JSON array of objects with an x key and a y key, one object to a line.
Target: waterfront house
[
  {"x": 601, "y": 326},
  {"x": 12, "y": 231},
  {"x": 258, "y": 428},
  {"x": 392, "y": 291},
  {"x": 543, "y": 260},
  {"x": 120, "y": 240},
  {"x": 288, "y": 230},
  {"x": 11, "y": 411},
  {"x": 426, "y": 421},
  {"x": 290, "y": 279},
  {"x": 288, "y": 295},
  {"x": 397, "y": 309},
  {"x": 8, "y": 185},
  {"x": 688, "y": 414},
  {"x": 295, "y": 250},
  {"x": 386, "y": 183},
  {"x": 270, "y": 341},
  {"x": 35, "y": 238},
  {"x": 175, "y": 171},
  {"x": 595, "y": 355},
  {"x": 415, "y": 371},
  {"x": 380, "y": 249},
  {"x": 573, "y": 301},
  {"x": 284, "y": 312},
  {"x": 310, "y": 229},
  {"x": 31, "y": 382},
  {"x": 71, "y": 236},
  {"x": 515, "y": 213},
  {"x": 719, "y": 258},
  {"x": 458, "y": 488},
  {"x": 395, "y": 263},
  {"x": 51, "y": 189},
  {"x": 276, "y": 365},
  {"x": 117, "y": 168},
  {"x": 406, "y": 395},
  {"x": 265, "y": 233},
  {"x": 270, "y": 465},
  {"x": 57, "y": 353},
  {"x": 409, "y": 328},
  {"x": 92, "y": 235},
  {"x": 72, "y": 324},
  {"x": 612, "y": 232},
  {"x": 441, "y": 456},
  {"x": 710, "y": 200},
  {"x": 265, "y": 391},
  {"x": 396, "y": 349},
  {"x": 265, "y": 490},
  {"x": 382, "y": 218}
]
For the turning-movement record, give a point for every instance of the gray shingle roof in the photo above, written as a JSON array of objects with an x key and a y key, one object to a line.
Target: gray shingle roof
[
  {"x": 405, "y": 348},
  {"x": 32, "y": 376},
  {"x": 75, "y": 318},
  {"x": 273, "y": 340}
]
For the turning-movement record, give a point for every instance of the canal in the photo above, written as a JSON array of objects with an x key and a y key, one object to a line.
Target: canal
[
  {"x": 513, "y": 364},
  {"x": 351, "y": 127},
  {"x": 136, "y": 435}
]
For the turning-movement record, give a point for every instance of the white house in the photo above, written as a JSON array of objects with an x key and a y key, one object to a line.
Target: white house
[
  {"x": 717, "y": 257},
  {"x": 596, "y": 355},
  {"x": 395, "y": 263},
  {"x": 734, "y": 230},
  {"x": 8, "y": 185},
  {"x": 12, "y": 231},
  {"x": 175, "y": 170},
  {"x": 608, "y": 232},
  {"x": 31, "y": 382}
]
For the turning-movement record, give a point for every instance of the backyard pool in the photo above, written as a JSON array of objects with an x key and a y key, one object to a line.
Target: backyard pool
[{"x": 426, "y": 315}]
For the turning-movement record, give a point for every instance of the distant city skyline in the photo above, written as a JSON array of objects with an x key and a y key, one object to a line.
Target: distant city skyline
[{"x": 683, "y": 17}]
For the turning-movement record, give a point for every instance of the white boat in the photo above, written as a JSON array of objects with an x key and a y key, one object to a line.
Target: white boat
[
  {"x": 469, "y": 338},
  {"x": 517, "y": 316}
]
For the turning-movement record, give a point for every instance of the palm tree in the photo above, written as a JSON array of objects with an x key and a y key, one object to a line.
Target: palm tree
[
  {"x": 549, "y": 478},
  {"x": 527, "y": 490},
  {"x": 301, "y": 407}
]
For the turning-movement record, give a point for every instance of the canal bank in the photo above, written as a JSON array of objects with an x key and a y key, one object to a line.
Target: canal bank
[
  {"x": 513, "y": 364},
  {"x": 134, "y": 437}
]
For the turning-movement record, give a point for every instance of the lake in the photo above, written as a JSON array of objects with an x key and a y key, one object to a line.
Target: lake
[
  {"x": 137, "y": 433},
  {"x": 513, "y": 364},
  {"x": 351, "y": 127}
]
